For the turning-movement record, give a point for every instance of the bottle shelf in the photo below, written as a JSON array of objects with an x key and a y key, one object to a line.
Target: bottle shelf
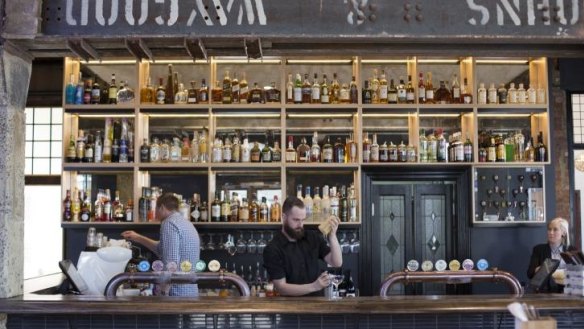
[
  {"x": 508, "y": 224},
  {"x": 173, "y": 165},
  {"x": 70, "y": 166},
  {"x": 510, "y": 164},
  {"x": 98, "y": 107},
  {"x": 312, "y": 165},
  {"x": 231, "y": 225}
]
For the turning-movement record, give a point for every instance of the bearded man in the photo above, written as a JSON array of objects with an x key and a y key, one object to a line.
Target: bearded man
[{"x": 294, "y": 257}]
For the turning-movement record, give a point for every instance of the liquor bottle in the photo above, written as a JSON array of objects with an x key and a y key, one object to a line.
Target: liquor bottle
[
  {"x": 118, "y": 208},
  {"x": 192, "y": 93},
  {"x": 175, "y": 150},
  {"x": 351, "y": 152},
  {"x": 432, "y": 148},
  {"x": 266, "y": 155},
  {"x": 421, "y": 89},
  {"x": 303, "y": 151},
  {"x": 245, "y": 150},
  {"x": 236, "y": 149},
  {"x": 540, "y": 94},
  {"x": 423, "y": 150},
  {"x": 143, "y": 204},
  {"x": 203, "y": 92},
  {"x": 531, "y": 95},
  {"x": 530, "y": 151},
  {"x": 151, "y": 205},
  {"x": 442, "y": 95},
  {"x": 226, "y": 150},
  {"x": 225, "y": 206},
  {"x": 217, "y": 150},
  {"x": 492, "y": 94},
  {"x": 70, "y": 90},
  {"x": 374, "y": 150},
  {"x": 96, "y": 93},
  {"x": 290, "y": 151},
  {"x": 234, "y": 205},
  {"x": 492, "y": 150},
  {"x": 80, "y": 90},
  {"x": 71, "y": 154},
  {"x": 335, "y": 90},
  {"x": 275, "y": 210},
  {"x": 123, "y": 157},
  {"x": 466, "y": 96},
  {"x": 113, "y": 91},
  {"x": 324, "y": 91},
  {"x": 325, "y": 202},
  {"x": 315, "y": 95},
  {"x": 410, "y": 92},
  {"x": 254, "y": 209},
  {"x": 317, "y": 205},
  {"x": 235, "y": 89},
  {"x": 169, "y": 89},
  {"x": 290, "y": 90},
  {"x": 98, "y": 148},
  {"x": 383, "y": 152},
  {"x": 67, "y": 215},
  {"x": 306, "y": 90},
  {"x": 468, "y": 150},
  {"x": 392, "y": 152},
  {"x": 339, "y": 151},
  {"x": 107, "y": 207},
  {"x": 256, "y": 95},
  {"x": 75, "y": 206},
  {"x": 383, "y": 88},
  {"x": 272, "y": 94},
  {"x": 334, "y": 196},
  {"x": 482, "y": 94},
  {"x": 456, "y": 94},
  {"x": 315, "y": 149},
  {"x": 500, "y": 149},
  {"x": 255, "y": 153},
  {"x": 351, "y": 289},
  {"x": 216, "y": 208},
  {"x": 298, "y": 89},
  {"x": 226, "y": 94},
  {"x": 165, "y": 150},
  {"x": 129, "y": 211},
  {"x": 299, "y": 191},
  {"x": 392, "y": 93},
  {"x": 327, "y": 151},
  {"x": 181, "y": 96},
  {"x": 155, "y": 151},
  {"x": 512, "y": 94},
  {"x": 352, "y": 204},
  {"x": 502, "y": 94},
  {"x": 402, "y": 95},
  {"x": 276, "y": 152},
  {"x": 147, "y": 93},
  {"x": 160, "y": 96},
  {"x": 87, "y": 84},
  {"x": 429, "y": 89},
  {"x": 203, "y": 150},
  {"x": 243, "y": 211},
  {"x": 185, "y": 151},
  {"x": 374, "y": 86},
  {"x": 344, "y": 94},
  {"x": 264, "y": 210},
  {"x": 519, "y": 146},
  {"x": 204, "y": 210},
  {"x": 541, "y": 153},
  {"x": 367, "y": 93},
  {"x": 366, "y": 148},
  {"x": 217, "y": 93},
  {"x": 442, "y": 146},
  {"x": 308, "y": 204},
  {"x": 194, "y": 151},
  {"x": 354, "y": 91},
  {"x": 521, "y": 94},
  {"x": 344, "y": 205},
  {"x": 80, "y": 147}
]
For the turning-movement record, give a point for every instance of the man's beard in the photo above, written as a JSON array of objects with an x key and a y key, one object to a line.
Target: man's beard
[{"x": 294, "y": 234}]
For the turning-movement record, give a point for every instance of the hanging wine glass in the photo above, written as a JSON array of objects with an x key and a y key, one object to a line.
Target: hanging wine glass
[
  {"x": 345, "y": 246},
  {"x": 230, "y": 245},
  {"x": 211, "y": 243},
  {"x": 262, "y": 243},
  {"x": 240, "y": 245},
  {"x": 202, "y": 242},
  {"x": 355, "y": 244},
  {"x": 251, "y": 244}
]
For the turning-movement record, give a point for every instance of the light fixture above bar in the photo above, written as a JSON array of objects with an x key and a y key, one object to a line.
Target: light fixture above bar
[
  {"x": 438, "y": 61},
  {"x": 247, "y": 115},
  {"x": 245, "y": 60},
  {"x": 319, "y": 61},
  {"x": 384, "y": 61},
  {"x": 503, "y": 61},
  {"x": 386, "y": 115},
  {"x": 505, "y": 115},
  {"x": 105, "y": 115},
  {"x": 178, "y": 61},
  {"x": 443, "y": 115},
  {"x": 177, "y": 115},
  {"x": 319, "y": 115},
  {"x": 112, "y": 61}
]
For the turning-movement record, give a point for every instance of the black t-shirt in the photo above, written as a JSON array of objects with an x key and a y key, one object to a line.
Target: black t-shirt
[{"x": 297, "y": 261}]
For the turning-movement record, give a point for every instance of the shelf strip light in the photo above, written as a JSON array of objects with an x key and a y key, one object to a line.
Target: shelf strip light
[
  {"x": 505, "y": 115},
  {"x": 503, "y": 61},
  {"x": 384, "y": 61},
  {"x": 319, "y": 61},
  {"x": 319, "y": 115},
  {"x": 385, "y": 115},
  {"x": 247, "y": 115},
  {"x": 177, "y": 61},
  {"x": 245, "y": 60},
  {"x": 177, "y": 115},
  {"x": 438, "y": 61},
  {"x": 444, "y": 115},
  {"x": 112, "y": 61},
  {"x": 105, "y": 115}
]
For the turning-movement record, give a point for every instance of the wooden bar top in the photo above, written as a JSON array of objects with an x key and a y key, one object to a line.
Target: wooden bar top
[{"x": 72, "y": 304}]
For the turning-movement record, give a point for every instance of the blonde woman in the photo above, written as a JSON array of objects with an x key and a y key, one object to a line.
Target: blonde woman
[{"x": 558, "y": 241}]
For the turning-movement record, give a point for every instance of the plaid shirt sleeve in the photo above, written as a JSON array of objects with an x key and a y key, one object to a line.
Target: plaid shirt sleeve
[{"x": 169, "y": 246}]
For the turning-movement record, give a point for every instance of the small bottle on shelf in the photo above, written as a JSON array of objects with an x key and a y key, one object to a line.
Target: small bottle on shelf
[
  {"x": 456, "y": 94},
  {"x": 521, "y": 94},
  {"x": 492, "y": 94},
  {"x": 275, "y": 210},
  {"x": 67, "y": 215},
  {"x": 374, "y": 150},
  {"x": 383, "y": 88},
  {"x": 421, "y": 89},
  {"x": 315, "y": 95},
  {"x": 392, "y": 93},
  {"x": 482, "y": 94},
  {"x": 512, "y": 94},
  {"x": 226, "y": 94},
  {"x": 290, "y": 151},
  {"x": 531, "y": 95},
  {"x": 324, "y": 91},
  {"x": 354, "y": 91},
  {"x": 315, "y": 149},
  {"x": 466, "y": 96},
  {"x": 429, "y": 89},
  {"x": 502, "y": 94},
  {"x": 290, "y": 90}
]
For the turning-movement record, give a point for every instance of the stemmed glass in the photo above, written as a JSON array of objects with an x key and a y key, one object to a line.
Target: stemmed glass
[
  {"x": 251, "y": 244},
  {"x": 202, "y": 241},
  {"x": 336, "y": 279},
  {"x": 210, "y": 243},
  {"x": 355, "y": 244},
  {"x": 221, "y": 245},
  {"x": 241, "y": 246},
  {"x": 344, "y": 242},
  {"x": 230, "y": 245},
  {"x": 261, "y": 243}
]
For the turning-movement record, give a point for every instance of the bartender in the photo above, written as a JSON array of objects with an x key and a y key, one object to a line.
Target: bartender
[
  {"x": 179, "y": 241},
  {"x": 293, "y": 257},
  {"x": 557, "y": 242}
]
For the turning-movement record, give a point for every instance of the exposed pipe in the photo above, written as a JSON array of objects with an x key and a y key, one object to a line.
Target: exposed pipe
[
  {"x": 180, "y": 278},
  {"x": 452, "y": 277}
]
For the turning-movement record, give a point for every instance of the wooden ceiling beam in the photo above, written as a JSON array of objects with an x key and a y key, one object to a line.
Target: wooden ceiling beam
[
  {"x": 196, "y": 48},
  {"x": 138, "y": 48},
  {"x": 82, "y": 49}
]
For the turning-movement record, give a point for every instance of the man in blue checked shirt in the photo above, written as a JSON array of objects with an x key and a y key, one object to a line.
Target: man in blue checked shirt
[{"x": 179, "y": 240}]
